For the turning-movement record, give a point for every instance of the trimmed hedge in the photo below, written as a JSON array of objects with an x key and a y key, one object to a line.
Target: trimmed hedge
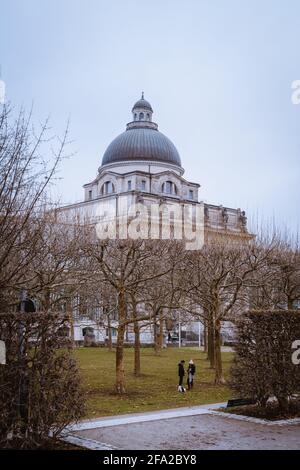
[{"x": 263, "y": 366}]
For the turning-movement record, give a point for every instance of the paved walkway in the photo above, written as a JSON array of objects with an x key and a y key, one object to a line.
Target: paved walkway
[
  {"x": 203, "y": 432},
  {"x": 144, "y": 417},
  {"x": 190, "y": 428}
]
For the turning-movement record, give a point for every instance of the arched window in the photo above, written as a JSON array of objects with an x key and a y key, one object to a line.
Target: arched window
[
  {"x": 88, "y": 330},
  {"x": 107, "y": 188},
  {"x": 135, "y": 116},
  {"x": 148, "y": 117},
  {"x": 141, "y": 116},
  {"x": 169, "y": 188}
]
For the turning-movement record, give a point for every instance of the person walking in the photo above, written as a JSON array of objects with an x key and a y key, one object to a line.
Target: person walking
[
  {"x": 181, "y": 372},
  {"x": 190, "y": 374}
]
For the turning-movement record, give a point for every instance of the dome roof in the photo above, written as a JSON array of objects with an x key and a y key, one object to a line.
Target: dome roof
[
  {"x": 142, "y": 103},
  {"x": 141, "y": 144},
  {"x": 141, "y": 140}
]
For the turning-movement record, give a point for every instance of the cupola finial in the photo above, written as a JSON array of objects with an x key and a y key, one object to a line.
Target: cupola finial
[{"x": 142, "y": 95}]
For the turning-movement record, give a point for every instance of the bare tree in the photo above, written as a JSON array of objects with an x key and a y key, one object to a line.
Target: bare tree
[
  {"x": 128, "y": 266},
  {"x": 222, "y": 276},
  {"x": 164, "y": 299},
  {"x": 24, "y": 179},
  {"x": 286, "y": 281}
]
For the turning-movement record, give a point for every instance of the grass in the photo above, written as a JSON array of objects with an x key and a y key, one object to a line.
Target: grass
[{"x": 155, "y": 389}]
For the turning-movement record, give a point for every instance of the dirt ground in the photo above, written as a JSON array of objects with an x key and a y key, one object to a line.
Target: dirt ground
[{"x": 197, "y": 432}]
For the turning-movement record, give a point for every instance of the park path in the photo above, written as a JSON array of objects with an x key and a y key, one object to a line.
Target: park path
[
  {"x": 144, "y": 417},
  {"x": 189, "y": 428}
]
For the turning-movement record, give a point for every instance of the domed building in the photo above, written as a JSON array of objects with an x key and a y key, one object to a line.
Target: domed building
[
  {"x": 145, "y": 165},
  {"x": 141, "y": 159},
  {"x": 142, "y": 165}
]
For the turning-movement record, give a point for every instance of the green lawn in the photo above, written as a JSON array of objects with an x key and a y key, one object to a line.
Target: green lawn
[{"x": 155, "y": 389}]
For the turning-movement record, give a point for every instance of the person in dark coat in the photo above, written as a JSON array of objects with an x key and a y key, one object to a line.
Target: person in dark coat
[
  {"x": 181, "y": 371},
  {"x": 190, "y": 374}
]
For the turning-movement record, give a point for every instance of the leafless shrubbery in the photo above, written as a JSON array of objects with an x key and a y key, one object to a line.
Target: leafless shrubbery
[
  {"x": 263, "y": 365},
  {"x": 40, "y": 390}
]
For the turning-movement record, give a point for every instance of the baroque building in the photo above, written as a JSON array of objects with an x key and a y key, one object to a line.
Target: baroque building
[
  {"x": 141, "y": 165},
  {"x": 144, "y": 165}
]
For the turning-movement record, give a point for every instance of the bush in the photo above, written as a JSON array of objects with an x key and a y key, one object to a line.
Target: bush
[
  {"x": 40, "y": 387},
  {"x": 263, "y": 366}
]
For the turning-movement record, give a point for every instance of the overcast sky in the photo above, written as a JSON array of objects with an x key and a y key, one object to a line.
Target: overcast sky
[{"x": 217, "y": 73}]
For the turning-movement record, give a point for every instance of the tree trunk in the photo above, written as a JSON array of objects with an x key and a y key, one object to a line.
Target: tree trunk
[
  {"x": 120, "y": 375},
  {"x": 109, "y": 343},
  {"x": 161, "y": 332},
  {"x": 204, "y": 336},
  {"x": 47, "y": 299},
  {"x": 137, "y": 343},
  {"x": 211, "y": 343},
  {"x": 155, "y": 334},
  {"x": 156, "y": 340},
  {"x": 72, "y": 335},
  {"x": 69, "y": 313},
  {"x": 137, "y": 350},
  {"x": 219, "y": 379},
  {"x": 208, "y": 357}
]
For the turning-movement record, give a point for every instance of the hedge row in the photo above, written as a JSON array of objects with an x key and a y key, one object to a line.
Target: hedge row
[{"x": 263, "y": 365}]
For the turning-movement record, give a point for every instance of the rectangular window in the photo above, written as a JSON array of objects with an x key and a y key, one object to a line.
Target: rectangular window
[
  {"x": 168, "y": 187},
  {"x": 129, "y": 185},
  {"x": 108, "y": 187},
  {"x": 90, "y": 194},
  {"x": 143, "y": 185},
  {"x": 191, "y": 194}
]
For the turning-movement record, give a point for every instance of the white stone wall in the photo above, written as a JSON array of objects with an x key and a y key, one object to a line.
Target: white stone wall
[
  {"x": 146, "y": 333},
  {"x": 153, "y": 184},
  {"x": 145, "y": 166},
  {"x": 99, "y": 331}
]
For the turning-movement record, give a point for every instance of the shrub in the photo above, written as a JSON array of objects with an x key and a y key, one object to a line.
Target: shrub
[
  {"x": 40, "y": 387},
  {"x": 263, "y": 366}
]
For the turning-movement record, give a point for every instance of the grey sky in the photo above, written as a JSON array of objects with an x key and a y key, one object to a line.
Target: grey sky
[{"x": 217, "y": 73}]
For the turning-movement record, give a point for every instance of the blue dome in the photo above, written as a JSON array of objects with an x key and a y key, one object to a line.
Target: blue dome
[{"x": 141, "y": 144}]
